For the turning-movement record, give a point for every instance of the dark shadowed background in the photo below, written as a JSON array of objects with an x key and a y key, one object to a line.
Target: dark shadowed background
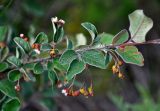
[{"x": 139, "y": 91}]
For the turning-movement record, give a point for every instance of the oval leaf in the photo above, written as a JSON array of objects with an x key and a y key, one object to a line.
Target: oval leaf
[
  {"x": 3, "y": 66},
  {"x": 139, "y": 25},
  {"x": 41, "y": 38},
  {"x": 11, "y": 105},
  {"x": 59, "y": 66},
  {"x": 45, "y": 47},
  {"x": 38, "y": 68},
  {"x": 121, "y": 37},
  {"x": 7, "y": 88},
  {"x": 29, "y": 66},
  {"x": 91, "y": 29},
  {"x": 68, "y": 56},
  {"x": 14, "y": 75},
  {"x": 50, "y": 65},
  {"x": 58, "y": 35},
  {"x": 14, "y": 61},
  {"x": 4, "y": 53},
  {"x": 52, "y": 76},
  {"x": 69, "y": 44},
  {"x": 106, "y": 38},
  {"x": 23, "y": 45},
  {"x": 130, "y": 54},
  {"x": 94, "y": 58},
  {"x": 76, "y": 67}
]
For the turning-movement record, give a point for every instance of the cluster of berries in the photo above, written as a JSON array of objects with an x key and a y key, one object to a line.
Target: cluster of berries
[
  {"x": 35, "y": 46},
  {"x": 82, "y": 91},
  {"x": 116, "y": 69}
]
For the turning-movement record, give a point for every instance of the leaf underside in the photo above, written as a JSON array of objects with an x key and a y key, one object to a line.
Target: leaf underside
[{"x": 139, "y": 26}]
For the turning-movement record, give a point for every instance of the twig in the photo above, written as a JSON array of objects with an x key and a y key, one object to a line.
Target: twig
[{"x": 156, "y": 41}]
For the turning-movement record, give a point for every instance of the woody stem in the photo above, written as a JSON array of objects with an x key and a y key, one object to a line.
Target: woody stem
[{"x": 156, "y": 41}]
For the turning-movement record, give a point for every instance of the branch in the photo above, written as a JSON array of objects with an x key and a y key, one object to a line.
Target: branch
[{"x": 156, "y": 41}]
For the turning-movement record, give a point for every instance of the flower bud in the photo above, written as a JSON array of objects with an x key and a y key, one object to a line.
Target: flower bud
[
  {"x": 52, "y": 53},
  {"x": 65, "y": 91},
  {"x": 90, "y": 90},
  {"x": 22, "y": 36},
  {"x": 114, "y": 69},
  {"x": 17, "y": 88},
  {"x": 84, "y": 92},
  {"x": 120, "y": 75}
]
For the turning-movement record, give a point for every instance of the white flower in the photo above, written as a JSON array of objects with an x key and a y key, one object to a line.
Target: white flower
[
  {"x": 54, "y": 19},
  {"x": 21, "y": 35},
  {"x": 64, "y": 91},
  {"x": 62, "y": 21},
  {"x": 37, "y": 51}
]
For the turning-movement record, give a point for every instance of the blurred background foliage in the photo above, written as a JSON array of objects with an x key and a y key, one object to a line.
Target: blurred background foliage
[{"x": 111, "y": 93}]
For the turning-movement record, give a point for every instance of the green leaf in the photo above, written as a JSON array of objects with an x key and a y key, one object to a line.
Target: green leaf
[
  {"x": 38, "y": 68},
  {"x": 23, "y": 45},
  {"x": 7, "y": 88},
  {"x": 106, "y": 38},
  {"x": 3, "y": 32},
  {"x": 46, "y": 47},
  {"x": 139, "y": 25},
  {"x": 91, "y": 29},
  {"x": 29, "y": 66},
  {"x": 130, "y": 54},
  {"x": 50, "y": 65},
  {"x": 4, "y": 53},
  {"x": 69, "y": 44},
  {"x": 121, "y": 37},
  {"x": 11, "y": 105},
  {"x": 3, "y": 66},
  {"x": 94, "y": 58},
  {"x": 14, "y": 75},
  {"x": 58, "y": 35},
  {"x": 41, "y": 38},
  {"x": 76, "y": 67},
  {"x": 59, "y": 66},
  {"x": 52, "y": 76},
  {"x": 14, "y": 61},
  {"x": 68, "y": 56}
]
